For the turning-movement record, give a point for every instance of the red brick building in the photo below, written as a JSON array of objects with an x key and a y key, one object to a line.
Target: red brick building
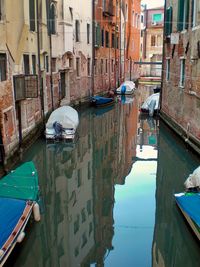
[
  {"x": 117, "y": 42},
  {"x": 181, "y": 70}
]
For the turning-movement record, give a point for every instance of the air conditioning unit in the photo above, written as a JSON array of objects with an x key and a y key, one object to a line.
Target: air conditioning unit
[{"x": 153, "y": 23}]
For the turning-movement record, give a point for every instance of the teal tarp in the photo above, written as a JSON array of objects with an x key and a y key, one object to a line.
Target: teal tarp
[{"x": 22, "y": 183}]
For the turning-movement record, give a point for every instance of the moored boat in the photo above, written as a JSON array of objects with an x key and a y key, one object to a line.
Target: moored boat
[
  {"x": 126, "y": 88},
  {"x": 151, "y": 105},
  {"x": 100, "y": 101},
  {"x": 19, "y": 193},
  {"x": 62, "y": 124},
  {"x": 189, "y": 204}
]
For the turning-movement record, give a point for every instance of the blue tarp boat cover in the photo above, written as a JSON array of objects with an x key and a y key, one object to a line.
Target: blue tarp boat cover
[
  {"x": 190, "y": 204},
  {"x": 10, "y": 212},
  {"x": 100, "y": 100}
]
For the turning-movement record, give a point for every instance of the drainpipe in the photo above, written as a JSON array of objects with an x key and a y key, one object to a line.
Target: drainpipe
[
  {"x": 39, "y": 63},
  {"x": 93, "y": 45}
]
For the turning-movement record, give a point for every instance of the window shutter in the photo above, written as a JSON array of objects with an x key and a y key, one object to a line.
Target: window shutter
[
  {"x": 98, "y": 35},
  {"x": 186, "y": 14},
  {"x": 180, "y": 15},
  {"x": 168, "y": 21}
]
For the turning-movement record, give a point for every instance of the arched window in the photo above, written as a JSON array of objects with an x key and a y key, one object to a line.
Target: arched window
[
  {"x": 153, "y": 40},
  {"x": 52, "y": 18}
]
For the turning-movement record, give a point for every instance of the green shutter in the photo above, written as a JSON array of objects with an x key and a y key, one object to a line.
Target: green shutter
[
  {"x": 186, "y": 14},
  {"x": 180, "y": 15},
  {"x": 168, "y": 21},
  {"x": 98, "y": 35}
]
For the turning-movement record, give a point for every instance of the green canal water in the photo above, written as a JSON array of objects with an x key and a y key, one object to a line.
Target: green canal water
[{"x": 107, "y": 200}]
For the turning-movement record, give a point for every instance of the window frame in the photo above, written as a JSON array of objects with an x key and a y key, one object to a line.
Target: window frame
[
  {"x": 182, "y": 73},
  {"x": 4, "y": 60}
]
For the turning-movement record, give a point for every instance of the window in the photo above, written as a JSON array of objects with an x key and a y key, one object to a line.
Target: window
[
  {"x": 78, "y": 67},
  {"x": 112, "y": 65},
  {"x": 102, "y": 37},
  {"x": 113, "y": 40},
  {"x": 157, "y": 18},
  {"x": 153, "y": 40},
  {"x": 183, "y": 15},
  {"x": 168, "y": 21},
  {"x": 88, "y": 33},
  {"x": 117, "y": 42},
  {"x": 1, "y": 10},
  {"x": 107, "y": 39},
  {"x": 46, "y": 63},
  {"x": 32, "y": 14},
  {"x": 53, "y": 64},
  {"x": 97, "y": 35},
  {"x": 26, "y": 64},
  {"x": 52, "y": 17},
  {"x": 142, "y": 18},
  {"x": 88, "y": 66},
  {"x": 2, "y": 67},
  {"x": 133, "y": 19},
  {"x": 182, "y": 73},
  {"x": 71, "y": 13},
  {"x": 77, "y": 29},
  {"x": 34, "y": 64},
  {"x": 138, "y": 21},
  {"x": 167, "y": 69},
  {"x": 101, "y": 66},
  {"x": 106, "y": 66},
  {"x": 195, "y": 19},
  {"x": 95, "y": 66},
  {"x": 126, "y": 12}
]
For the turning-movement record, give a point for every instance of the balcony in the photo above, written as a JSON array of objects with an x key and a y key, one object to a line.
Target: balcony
[{"x": 108, "y": 8}]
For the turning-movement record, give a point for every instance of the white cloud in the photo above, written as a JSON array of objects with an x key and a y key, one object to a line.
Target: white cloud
[{"x": 153, "y": 3}]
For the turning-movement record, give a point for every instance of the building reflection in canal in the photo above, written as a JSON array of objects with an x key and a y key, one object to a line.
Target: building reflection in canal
[
  {"x": 77, "y": 189},
  {"x": 174, "y": 243},
  {"x": 98, "y": 195}
]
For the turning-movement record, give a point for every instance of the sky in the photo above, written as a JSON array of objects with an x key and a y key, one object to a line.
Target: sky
[{"x": 153, "y": 3}]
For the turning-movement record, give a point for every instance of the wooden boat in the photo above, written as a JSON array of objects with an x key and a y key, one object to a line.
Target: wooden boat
[
  {"x": 189, "y": 204},
  {"x": 62, "y": 124},
  {"x": 19, "y": 193},
  {"x": 100, "y": 101},
  {"x": 126, "y": 88}
]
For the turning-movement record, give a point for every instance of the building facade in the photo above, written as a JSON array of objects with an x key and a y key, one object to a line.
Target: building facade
[
  {"x": 152, "y": 41},
  {"x": 181, "y": 70}
]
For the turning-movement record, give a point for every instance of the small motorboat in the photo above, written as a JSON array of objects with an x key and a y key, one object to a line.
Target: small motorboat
[
  {"x": 62, "y": 124},
  {"x": 189, "y": 203},
  {"x": 151, "y": 104},
  {"x": 19, "y": 194},
  {"x": 100, "y": 101},
  {"x": 126, "y": 88}
]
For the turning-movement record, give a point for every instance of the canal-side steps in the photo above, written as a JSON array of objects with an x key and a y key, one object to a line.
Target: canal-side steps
[
  {"x": 189, "y": 201},
  {"x": 19, "y": 194}
]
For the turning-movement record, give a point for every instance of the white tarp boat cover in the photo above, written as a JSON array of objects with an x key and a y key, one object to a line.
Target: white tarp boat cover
[
  {"x": 152, "y": 99},
  {"x": 129, "y": 86},
  {"x": 66, "y": 116}
]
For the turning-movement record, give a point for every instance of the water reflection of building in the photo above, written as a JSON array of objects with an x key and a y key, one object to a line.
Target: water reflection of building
[
  {"x": 174, "y": 243},
  {"x": 147, "y": 131},
  {"x": 77, "y": 185}
]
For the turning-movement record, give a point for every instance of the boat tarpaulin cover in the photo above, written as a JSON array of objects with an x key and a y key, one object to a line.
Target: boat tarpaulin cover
[
  {"x": 22, "y": 183},
  {"x": 190, "y": 204},
  {"x": 10, "y": 212},
  {"x": 66, "y": 116}
]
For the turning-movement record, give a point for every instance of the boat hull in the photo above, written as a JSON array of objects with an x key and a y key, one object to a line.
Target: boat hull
[
  {"x": 99, "y": 101},
  {"x": 189, "y": 216}
]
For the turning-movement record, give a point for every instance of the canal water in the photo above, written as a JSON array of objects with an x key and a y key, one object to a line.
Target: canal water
[{"x": 107, "y": 200}]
